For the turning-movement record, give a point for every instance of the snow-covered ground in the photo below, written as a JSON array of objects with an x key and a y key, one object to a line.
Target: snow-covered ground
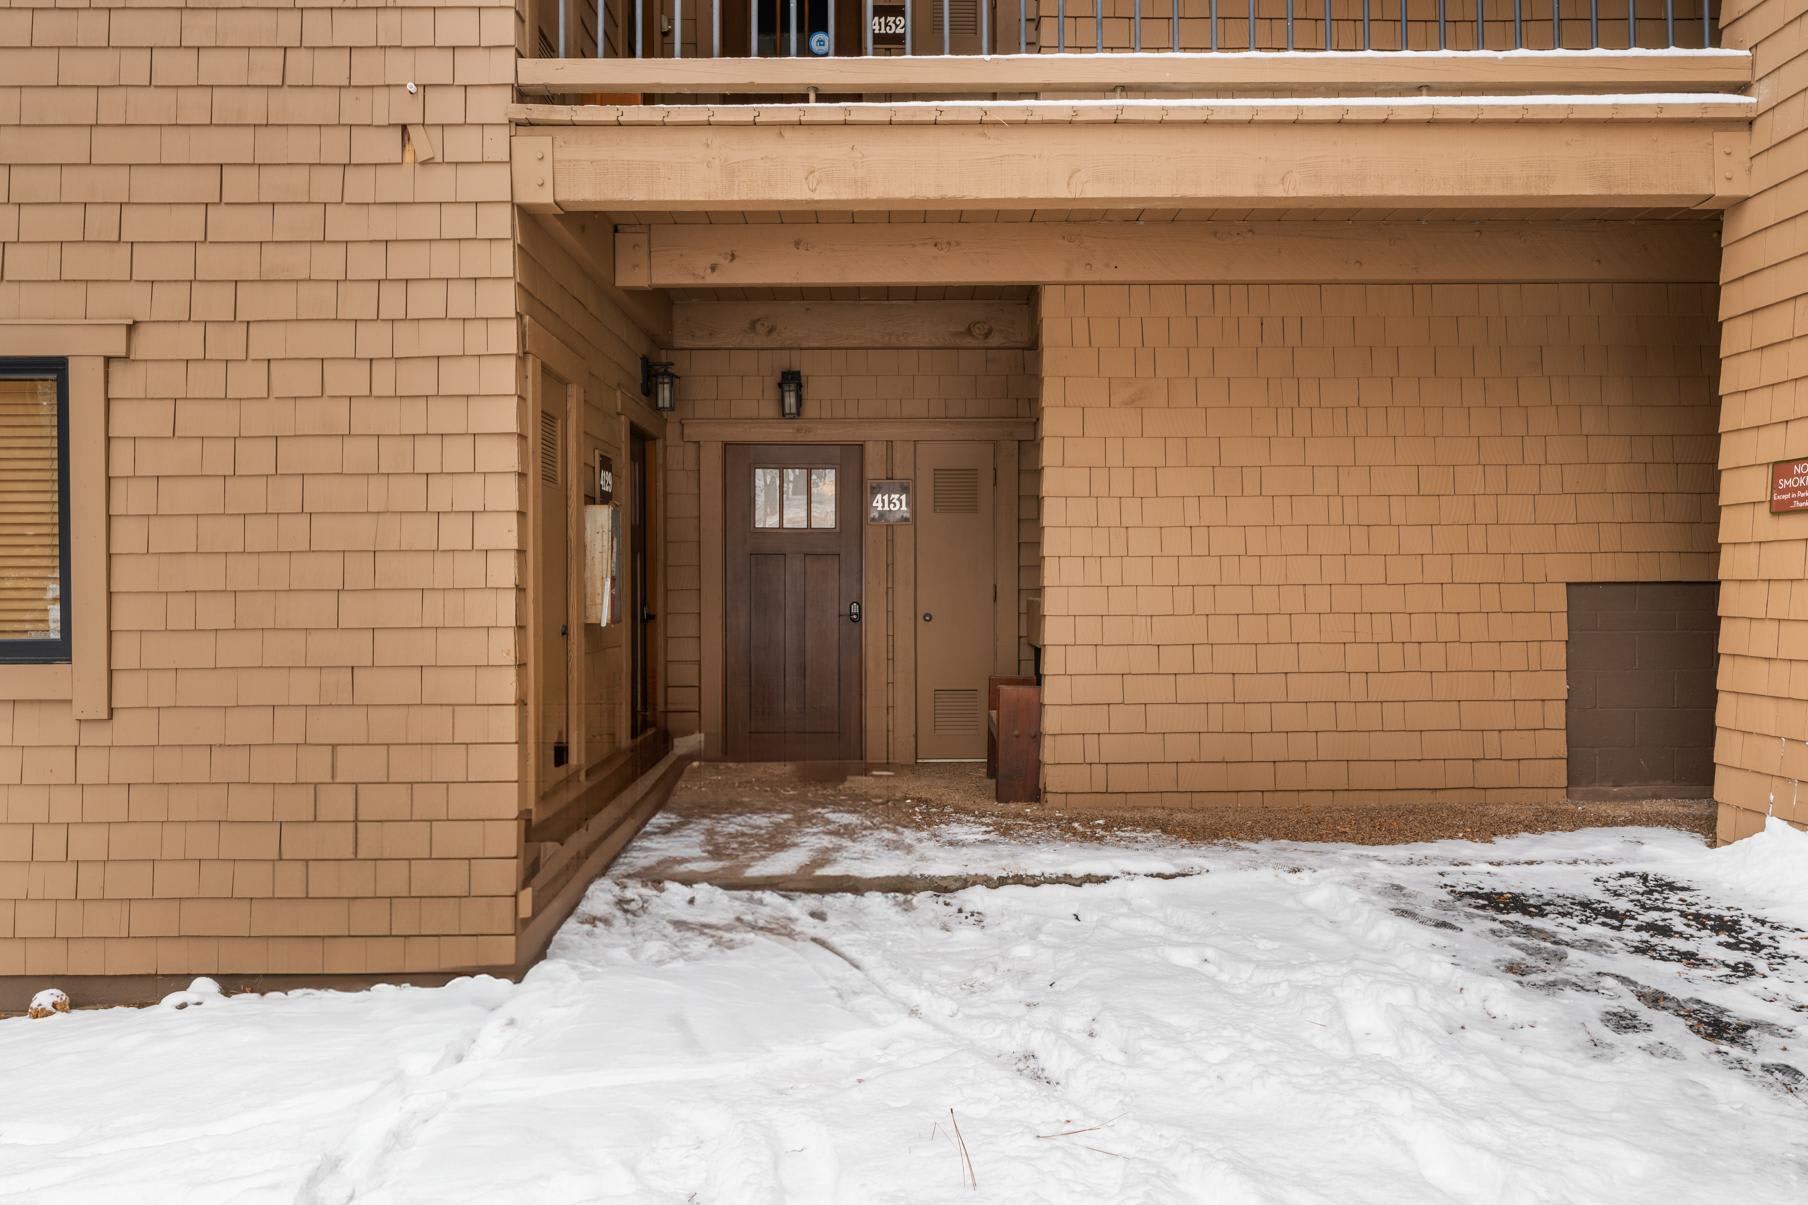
[{"x": 1603, "y": 1016}]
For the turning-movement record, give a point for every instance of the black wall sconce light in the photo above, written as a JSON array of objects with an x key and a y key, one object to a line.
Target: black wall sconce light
[
  {"x": 790, "y": 393},
  {"x": 657, "y": 381}
]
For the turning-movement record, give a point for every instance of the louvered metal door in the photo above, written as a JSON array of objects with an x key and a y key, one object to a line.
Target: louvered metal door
[{"x": 552, "y": 582}]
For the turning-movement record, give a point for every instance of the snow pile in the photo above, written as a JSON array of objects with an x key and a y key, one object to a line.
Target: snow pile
[
  {"x": 1596, "y": 1017},
  {"x": 201, "y": 991},
  {"x": 1771, "y": 867},
  {"x": 47, "y": 1003}
]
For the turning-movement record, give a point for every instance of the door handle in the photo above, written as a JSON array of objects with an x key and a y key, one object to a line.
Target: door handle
[
  {"x": 929, "y": 617},
  {"x": 647, "y": 616},
  {"x": 854, "y": 611}
]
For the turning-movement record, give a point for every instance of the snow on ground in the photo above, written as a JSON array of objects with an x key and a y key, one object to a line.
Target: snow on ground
[{"x": 1602, "y": 1016}]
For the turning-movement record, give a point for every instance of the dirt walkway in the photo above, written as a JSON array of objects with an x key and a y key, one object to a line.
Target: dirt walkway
[{"x": 733, "y": 822}]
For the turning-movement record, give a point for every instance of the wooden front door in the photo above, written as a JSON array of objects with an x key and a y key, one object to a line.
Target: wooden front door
[{"x": 793, "y": 535}]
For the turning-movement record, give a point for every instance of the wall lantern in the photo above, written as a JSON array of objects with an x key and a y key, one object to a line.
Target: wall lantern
[
  {"x": 791, "y": 393},
  {"x": 657, "y": 381}
]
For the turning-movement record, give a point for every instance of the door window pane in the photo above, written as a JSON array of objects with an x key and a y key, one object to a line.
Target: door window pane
[
  {"x": 797, "y": 502},
  {"x": 765, "y": 498},
  {"x": 33, "y": 576},
  {"x": 822, "y": 497}
]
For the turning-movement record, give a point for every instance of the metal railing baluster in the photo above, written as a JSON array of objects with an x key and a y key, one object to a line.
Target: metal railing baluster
[{"x": 993, "y": 39}]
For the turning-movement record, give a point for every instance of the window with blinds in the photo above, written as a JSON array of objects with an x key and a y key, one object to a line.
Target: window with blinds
[{"x": 34, "y": 496}]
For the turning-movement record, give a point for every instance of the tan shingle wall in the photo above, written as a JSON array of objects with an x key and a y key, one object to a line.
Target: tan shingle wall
[
  {"x": 1763, "y": 713},
  {"x": 1308, "y": 544},
  {"x": 309, "y": 764}
]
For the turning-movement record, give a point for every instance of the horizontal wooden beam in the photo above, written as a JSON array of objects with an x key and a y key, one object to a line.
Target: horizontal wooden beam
[
  {"x": 1300, "y": 252},
  {"x": 1553, "y": 164},
  {"x": 1630, "y": 71},
  {"x": 858, "y": 324},
  {"x": 849, "y": 430}
]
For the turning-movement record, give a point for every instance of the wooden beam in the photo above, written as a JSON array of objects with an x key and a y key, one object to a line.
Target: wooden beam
[
  {"x": 746, "y": 324},
  {"x": 1302, "y": 252},
  {"x": 1631, "y": 71},
  {"x": 1550, "y": 164},
  {"x": 850, "y": 430}
]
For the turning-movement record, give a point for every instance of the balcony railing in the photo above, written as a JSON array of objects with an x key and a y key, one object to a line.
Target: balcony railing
[{"x": 881, "y": 28}]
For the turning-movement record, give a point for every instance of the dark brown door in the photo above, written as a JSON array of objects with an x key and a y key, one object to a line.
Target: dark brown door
[{"x": 792, "y": 650}]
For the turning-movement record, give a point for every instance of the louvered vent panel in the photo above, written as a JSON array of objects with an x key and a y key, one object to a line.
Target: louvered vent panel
[
  {"x": 547, "y": 49},
  {"x": 549, "y": 448},
  {"x": 956, "y": 491},
  {"x": 963, "y": 17},
  {"x": 956, "y": 712}
]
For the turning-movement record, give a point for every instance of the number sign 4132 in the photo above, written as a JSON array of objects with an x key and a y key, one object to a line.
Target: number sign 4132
[{"x": 888, "y": 25}]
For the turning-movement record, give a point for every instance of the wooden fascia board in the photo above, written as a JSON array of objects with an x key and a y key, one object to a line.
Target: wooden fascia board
[
  {"x": 851, "y": 324},
  {"x": 1300, "y": 72},
  {"x": 1293, "y": 252},
  {"x": 1030, "y": 165}
]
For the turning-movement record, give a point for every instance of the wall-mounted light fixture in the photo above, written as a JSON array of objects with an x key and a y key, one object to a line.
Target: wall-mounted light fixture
[
  {"x": 790, "y": 393},
  {"x": 657, "y": 381}
]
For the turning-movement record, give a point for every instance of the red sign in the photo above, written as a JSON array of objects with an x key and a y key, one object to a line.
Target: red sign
[{"x": 1788, "y": 486}]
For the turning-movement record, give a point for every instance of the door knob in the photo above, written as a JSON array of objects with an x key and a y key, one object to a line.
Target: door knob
[
  {"x": 929, "y": 617},
  {"x": 646, "y": 616},
  {"x": 854, "y": 611}
]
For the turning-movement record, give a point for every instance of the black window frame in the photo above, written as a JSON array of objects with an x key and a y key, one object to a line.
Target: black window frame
[{"x": 47, "y": 650}]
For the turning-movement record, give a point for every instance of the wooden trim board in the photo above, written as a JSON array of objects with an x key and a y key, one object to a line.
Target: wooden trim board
[
  {"x": 1572, "y": 161},
  {"x": 1632, "y": 71},
  {"x": 954, "y": 253},
  {"x": 718, "y": 431}
]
